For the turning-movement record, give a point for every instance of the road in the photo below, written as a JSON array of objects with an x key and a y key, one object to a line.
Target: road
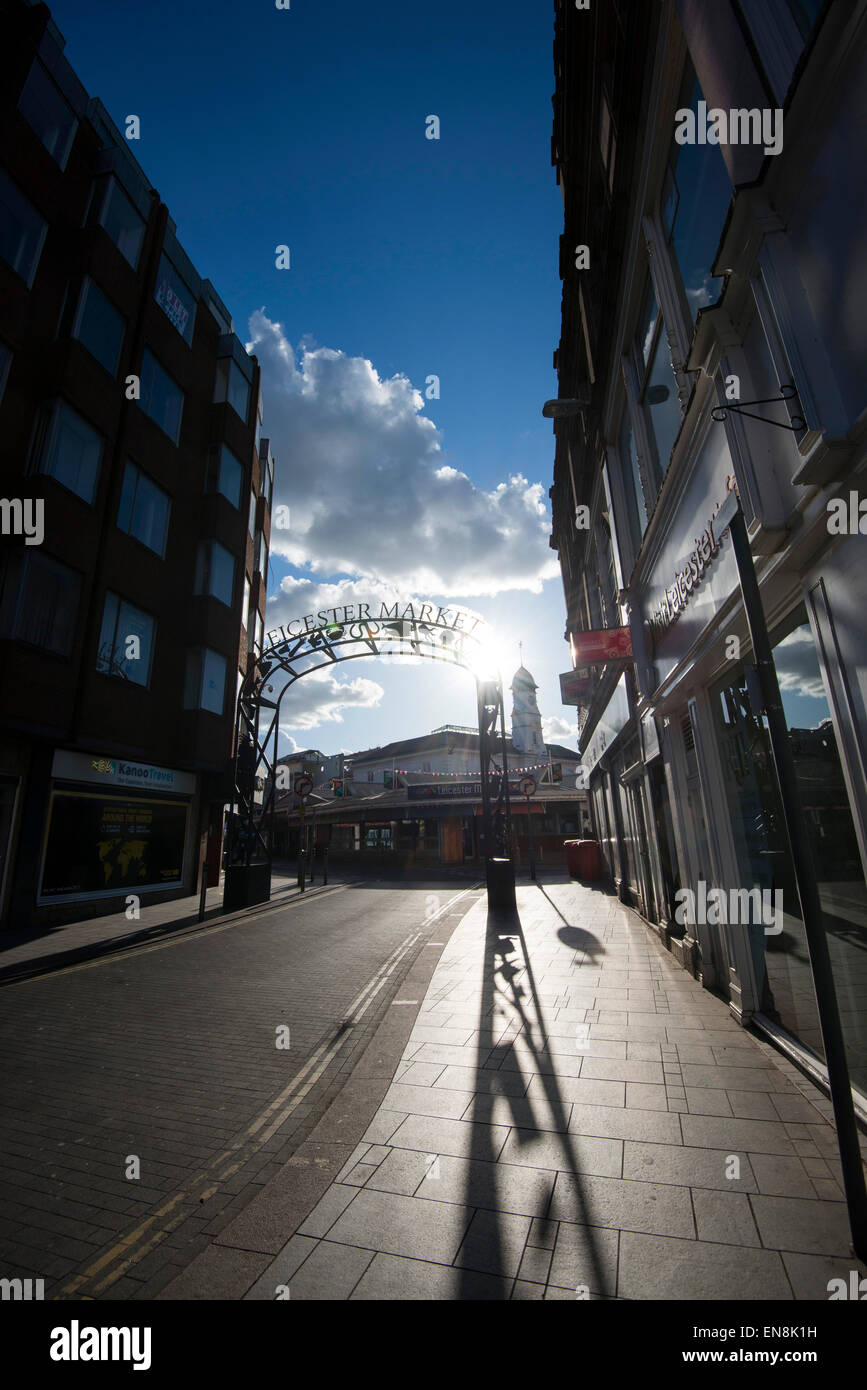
[{"x": 147, "y": 1097}]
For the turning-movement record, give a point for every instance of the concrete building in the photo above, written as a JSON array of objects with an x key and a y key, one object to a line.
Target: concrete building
[
  {"x": 130, "y": 425},
  {"x": 714, "y": 298}
]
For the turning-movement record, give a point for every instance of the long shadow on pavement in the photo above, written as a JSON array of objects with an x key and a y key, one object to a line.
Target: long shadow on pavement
[{"x": 506, "y": 958}]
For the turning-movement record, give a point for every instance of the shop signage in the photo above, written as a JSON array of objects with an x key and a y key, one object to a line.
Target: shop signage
[
  {"x": 576, "y": 687},
  {"x": 358, "y": 616},
  {"x": 437, "y": 790},
  {"x": 614, "y": 718},
  {"x": 85, "y": 767},
  {"x": 677, "y": 595},
  {"x": 598, "y": 647}
]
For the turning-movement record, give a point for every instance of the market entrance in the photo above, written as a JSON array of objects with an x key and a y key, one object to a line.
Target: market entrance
[{"x": 349, "y": 633}]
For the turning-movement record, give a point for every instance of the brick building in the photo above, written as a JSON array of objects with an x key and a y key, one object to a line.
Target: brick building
[{"x": 130, "y": 423}]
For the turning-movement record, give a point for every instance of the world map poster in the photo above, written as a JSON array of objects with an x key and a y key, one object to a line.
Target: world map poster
[{"x": 102, "y": 844}]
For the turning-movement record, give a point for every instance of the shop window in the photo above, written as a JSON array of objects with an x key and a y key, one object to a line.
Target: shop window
[
  {"x": 695, "y": 200},
  {"x": 48, "y": 113},
  {"x": 161, "y": 398},
  {"x": 22, "y": 230},
  {"x": 232, "y": 386},
  {"x": 781, "y": 959},
  {"x": 205, "y": 680},
  {"x": 124, "y": 224},
  {"x": 215, "y": 571},
  {"x": 657, "y": 388},
  {"x": 99, "y": 326},
  {"x": 175, "y": 298},
  {"x": 225, "y": 473},
  {"x": 39, "y": 602},
  {"x": 68, "y": 449},
  {"x": 126, "y": 641},
  {"x": 144, "y": 510}
]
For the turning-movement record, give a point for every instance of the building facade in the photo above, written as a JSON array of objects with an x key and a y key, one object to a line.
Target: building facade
[
  {"x": 130, "y": 437},
  {"x": 418, "y": 801},
  {"x": 714, "y": 324}
]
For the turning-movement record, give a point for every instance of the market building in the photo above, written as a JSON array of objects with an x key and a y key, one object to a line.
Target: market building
[
  {"x": 130, "y": 426},
  {"x": 418, "y": 801},
  {"x": 714, "y": 339}
]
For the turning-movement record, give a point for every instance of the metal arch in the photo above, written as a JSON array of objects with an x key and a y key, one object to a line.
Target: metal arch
[{"x": 251, "y": 830}]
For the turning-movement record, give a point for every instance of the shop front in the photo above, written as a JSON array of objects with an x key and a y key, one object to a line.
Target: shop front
[{"x": 114, "y": 828}]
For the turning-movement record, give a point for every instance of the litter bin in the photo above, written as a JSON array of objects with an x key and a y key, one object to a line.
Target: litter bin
[{"x": 583, "y": 859}]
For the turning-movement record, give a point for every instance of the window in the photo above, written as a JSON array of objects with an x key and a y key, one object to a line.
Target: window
[
  {"x": 39, "y": 602},
  {"x": 22, "y": 230},
  {"x": 752, "y": 798},
  {"x": 161, "y": 398},
  {"x": 126, "y": 641},
  {"x": 261, "y": 564},
  {"x": 123, "y": 223},
  {"x": 258, "y": 630},
  {"x": 779, "y": 29},
  {"x": 176, "y": 299},
  {"x": 144, "y": 509},
  {"x": 695, "y": 199},
  {"x": 48, "y": 113},
  {"x": 259, "y": 418},
  {"x": 67, "y": 448},
  {"x": 225, "y": 472},
  {"x": 251, "y": 524},
  {"x": 245, "y": 611},
  {"x": 215, "y": 571},
  {"x": 657, "y": 386},
  {"x": 232, "y": 386},
  {"x": 632, "y": 486},
  {"x": 607, "y": 139},
  {"x": 205, "y": 680},
  {"x": 99, "y": 326}
]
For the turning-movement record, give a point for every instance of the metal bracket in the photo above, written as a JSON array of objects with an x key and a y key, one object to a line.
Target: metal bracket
[{"x": 789, "y": 393}]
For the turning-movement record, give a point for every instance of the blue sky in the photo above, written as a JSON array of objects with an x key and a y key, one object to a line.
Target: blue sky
[{"x": 409, "y": 257}]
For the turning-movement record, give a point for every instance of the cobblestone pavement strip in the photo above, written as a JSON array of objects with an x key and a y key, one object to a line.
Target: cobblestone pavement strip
[
  {"x": 168, "y": 1053},
  {"x": 574, "y": 1116}
]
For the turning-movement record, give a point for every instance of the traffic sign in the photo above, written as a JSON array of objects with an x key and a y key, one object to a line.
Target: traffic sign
[
  {"x": 527, "y": 786},
  {"x": 303, "y": 785}
]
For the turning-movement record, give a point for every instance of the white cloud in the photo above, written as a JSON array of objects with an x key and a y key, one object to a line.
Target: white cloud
[
  {"x": 795, "y": 660},
  {"x": 362, "y": 471},
  {"x": 321, "y": 699},
  {"x": 557, "y": 730}
]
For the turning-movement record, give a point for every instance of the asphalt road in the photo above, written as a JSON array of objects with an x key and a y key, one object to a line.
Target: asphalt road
[{"x": 147, "y": 1097}]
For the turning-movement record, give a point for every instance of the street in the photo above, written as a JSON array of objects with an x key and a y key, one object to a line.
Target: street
[{"x": 175, "y": 1055}]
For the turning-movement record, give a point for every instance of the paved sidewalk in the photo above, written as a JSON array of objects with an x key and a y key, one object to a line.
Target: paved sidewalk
[{"x": 574, "y": 1116}]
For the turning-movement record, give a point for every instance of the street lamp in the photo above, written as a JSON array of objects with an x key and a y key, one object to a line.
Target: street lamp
[{"x": 573, "y": 405}]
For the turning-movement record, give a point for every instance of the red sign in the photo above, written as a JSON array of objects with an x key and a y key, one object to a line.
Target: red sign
[
  {"x": 303, "y": 785},
  {"x": 605, "y": 644},
  {"x": 527, "y": 786}
]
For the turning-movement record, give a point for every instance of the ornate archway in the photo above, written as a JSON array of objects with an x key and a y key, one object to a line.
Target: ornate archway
[{"x": 325, "y": 639}]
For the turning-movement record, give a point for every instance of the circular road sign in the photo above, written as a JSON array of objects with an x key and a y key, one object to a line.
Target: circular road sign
[
  {"x": 527, "y": 786},
  {"x": 303, "y": 785}
]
